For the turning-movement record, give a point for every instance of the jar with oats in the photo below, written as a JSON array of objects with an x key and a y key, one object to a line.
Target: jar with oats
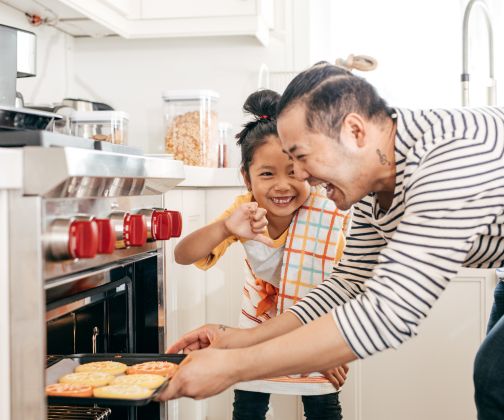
[{"x": 191, "y": 133}]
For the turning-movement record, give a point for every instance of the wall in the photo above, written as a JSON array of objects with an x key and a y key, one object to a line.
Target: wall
[
  {"x": 418, "y": 46},
  {"x": 54, "y": 60},
  {"x": 132, "y": 74},
  {"x": 419, "y": 57}
]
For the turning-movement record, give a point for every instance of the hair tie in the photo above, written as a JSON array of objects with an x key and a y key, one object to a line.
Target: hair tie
[{"x": 264, "y": 117}]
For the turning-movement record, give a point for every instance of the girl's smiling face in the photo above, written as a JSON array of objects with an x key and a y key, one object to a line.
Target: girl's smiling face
[{"x": 272, "y": 182}]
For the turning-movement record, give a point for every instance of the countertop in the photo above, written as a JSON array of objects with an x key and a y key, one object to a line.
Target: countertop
[{"x": 199, "y": 177}]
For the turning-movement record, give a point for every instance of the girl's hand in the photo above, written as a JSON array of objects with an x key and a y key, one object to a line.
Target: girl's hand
[{"x": 249, "y": 221}]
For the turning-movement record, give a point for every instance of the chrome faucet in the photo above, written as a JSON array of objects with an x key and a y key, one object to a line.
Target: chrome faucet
[{"x": 491, "y": 90}]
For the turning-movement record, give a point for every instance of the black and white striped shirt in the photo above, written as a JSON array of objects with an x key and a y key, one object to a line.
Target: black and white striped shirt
[{"x": 447, "y": 212}]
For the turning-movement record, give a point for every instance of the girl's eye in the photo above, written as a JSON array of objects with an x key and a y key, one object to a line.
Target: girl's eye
[
  {"x": 265, "y": 174},
  {"x": 300, "y": 157}
]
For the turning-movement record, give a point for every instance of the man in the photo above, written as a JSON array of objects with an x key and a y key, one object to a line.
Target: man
[{"x": 428, "y": 195}]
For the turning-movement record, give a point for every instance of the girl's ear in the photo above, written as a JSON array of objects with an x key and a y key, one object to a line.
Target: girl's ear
[{"x": 246, "y": 179}]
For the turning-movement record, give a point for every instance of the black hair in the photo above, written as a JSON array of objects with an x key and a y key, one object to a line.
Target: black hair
[
  {"x": 262, "y": 105},
  {"x": 329, "y": 93}
]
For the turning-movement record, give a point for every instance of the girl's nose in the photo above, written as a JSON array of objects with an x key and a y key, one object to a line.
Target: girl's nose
[{"x": 282, "y": 184}]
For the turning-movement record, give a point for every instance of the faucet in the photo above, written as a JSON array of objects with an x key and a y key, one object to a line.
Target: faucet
[{"x": 464, "y": 78}]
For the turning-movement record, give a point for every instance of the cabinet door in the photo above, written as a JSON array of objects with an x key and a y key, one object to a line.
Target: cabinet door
[
  {"x": 185, "y": 289},
  {"x": 429, "y": 377},
  {"x": 155, "y": 9}
]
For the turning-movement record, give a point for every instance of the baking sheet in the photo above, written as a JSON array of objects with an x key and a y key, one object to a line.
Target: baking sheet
[{"x": 67, "y": 364}]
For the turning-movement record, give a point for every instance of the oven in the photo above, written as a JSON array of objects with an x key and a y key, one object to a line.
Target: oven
[{"x": 86, "y": 271}]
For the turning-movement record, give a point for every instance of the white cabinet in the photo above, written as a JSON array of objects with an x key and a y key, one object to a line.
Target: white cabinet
[
  {"x": 429, "y": 377},
  {"x": 154, "y": 9},
  {"x": 171, "y": 18}
]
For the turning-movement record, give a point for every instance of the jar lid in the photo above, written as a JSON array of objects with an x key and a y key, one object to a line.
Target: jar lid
[
  {"x": 99, "y": 116},
  {"x": 188, "y": 95}
]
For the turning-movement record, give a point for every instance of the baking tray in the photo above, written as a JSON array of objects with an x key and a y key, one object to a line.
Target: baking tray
[{"x": 66, "y": 364}]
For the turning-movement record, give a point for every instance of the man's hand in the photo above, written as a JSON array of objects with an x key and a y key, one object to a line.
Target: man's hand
[
  {"x": 337, "y": 376},
  {"x": 249, "y": 221},
  {"x": 202, "y": 374},
  {"x": 200, "y": 338}
]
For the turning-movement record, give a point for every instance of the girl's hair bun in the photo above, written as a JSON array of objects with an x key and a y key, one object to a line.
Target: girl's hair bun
[{"x": 262, "y": 103}]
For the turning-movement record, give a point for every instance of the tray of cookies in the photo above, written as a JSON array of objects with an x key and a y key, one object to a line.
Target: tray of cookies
[{"x": 109, "y": 379}]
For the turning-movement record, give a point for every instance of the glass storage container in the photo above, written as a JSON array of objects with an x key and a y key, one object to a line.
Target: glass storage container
[
  {"x": 191, "y": 134},
  {"x": 111, "y": 126}
]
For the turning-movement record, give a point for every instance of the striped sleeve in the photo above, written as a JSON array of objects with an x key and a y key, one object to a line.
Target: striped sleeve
[
  {"x": 452, "y": 200},
  {"x": 347, "y": 279}
]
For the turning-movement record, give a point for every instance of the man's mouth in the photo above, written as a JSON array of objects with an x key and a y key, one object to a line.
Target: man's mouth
[
  {"x": 282, "y": 201},
  {"x": 329, "y": 188},
  {"x": 314, "y": 181}
]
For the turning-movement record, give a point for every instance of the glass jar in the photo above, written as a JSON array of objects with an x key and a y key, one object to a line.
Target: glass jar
[
  {"x": 190, "y": 118},
  {"x": 110, "y": 126},
  {"x": 223, "y": 146}
]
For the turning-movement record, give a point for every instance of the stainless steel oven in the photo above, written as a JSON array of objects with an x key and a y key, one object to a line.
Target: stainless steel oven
[{"x": 85, "y": 252}]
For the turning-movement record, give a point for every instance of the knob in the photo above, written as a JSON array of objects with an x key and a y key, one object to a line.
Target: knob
[
  {"x": 106, "y": 236},
  {"x": 176, "y": 219},
  {"x": 161, "y": 225},
  {"x": 135, "y": 230},
  {"x": 83, "y": 239}
]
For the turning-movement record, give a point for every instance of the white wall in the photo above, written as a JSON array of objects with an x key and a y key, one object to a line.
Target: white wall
[
  {"x": 132, "y": 74},
  {"x": 54, "y": 60},
  {"x": 419, "y": 55},
  {"x": 418, "y": 45}
]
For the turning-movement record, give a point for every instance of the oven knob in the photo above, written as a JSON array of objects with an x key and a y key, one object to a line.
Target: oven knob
[
  {"x": 176, "y": 219},
  {"x": 135, "y": 230},
  {"x": 161, "y": 225},
  {"x": 106, "y": 236},
  {"x": 82, "y": 239}
]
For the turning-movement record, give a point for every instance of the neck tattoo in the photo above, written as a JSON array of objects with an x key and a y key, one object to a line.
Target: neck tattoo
[
  {"x": 383, "y": 159},
  {"x": 222, "y": 327}
]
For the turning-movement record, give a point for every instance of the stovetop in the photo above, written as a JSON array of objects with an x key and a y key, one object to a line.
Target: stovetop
[{"x": 21, "y": 138}]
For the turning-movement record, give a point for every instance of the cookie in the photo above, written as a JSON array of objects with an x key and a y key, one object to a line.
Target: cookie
[
  {"x": 69, "y": 390},
  {"x": 127, "y": 392},
  {"x": 145, "y": 380},
  {"x": 114, "y": 368},
  {"x": 166, "y": 369},
  {"x": 87, "y": 378}
]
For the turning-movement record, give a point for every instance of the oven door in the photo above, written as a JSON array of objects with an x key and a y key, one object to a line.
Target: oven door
[{"x": 114, "y": 309}]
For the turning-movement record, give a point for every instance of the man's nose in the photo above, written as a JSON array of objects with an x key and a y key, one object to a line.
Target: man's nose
[{"x": 300, "y": 173}]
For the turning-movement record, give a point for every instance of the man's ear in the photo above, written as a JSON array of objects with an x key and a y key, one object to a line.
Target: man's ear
[
  {"x": 246, "y": 179},
  {"x": 355, "y": 126}
]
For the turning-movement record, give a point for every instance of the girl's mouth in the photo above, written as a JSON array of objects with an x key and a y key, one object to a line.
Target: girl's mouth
[{"x": 282, "y": 201}]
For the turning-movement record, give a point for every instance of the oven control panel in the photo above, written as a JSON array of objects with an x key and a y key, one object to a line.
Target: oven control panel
[{"x": 84, "y": 236}]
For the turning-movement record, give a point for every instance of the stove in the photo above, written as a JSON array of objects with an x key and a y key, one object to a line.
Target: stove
[{"x": 81, "y": 243}]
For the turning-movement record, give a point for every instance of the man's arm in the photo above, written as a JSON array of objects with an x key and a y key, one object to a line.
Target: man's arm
[{"x": 314, "y": 347}]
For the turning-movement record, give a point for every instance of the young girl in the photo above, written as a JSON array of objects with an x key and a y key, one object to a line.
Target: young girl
[{"x": 292, "y": 236}]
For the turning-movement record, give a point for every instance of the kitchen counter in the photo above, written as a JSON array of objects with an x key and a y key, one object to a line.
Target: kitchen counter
[{"x": 199, "y": 177}]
